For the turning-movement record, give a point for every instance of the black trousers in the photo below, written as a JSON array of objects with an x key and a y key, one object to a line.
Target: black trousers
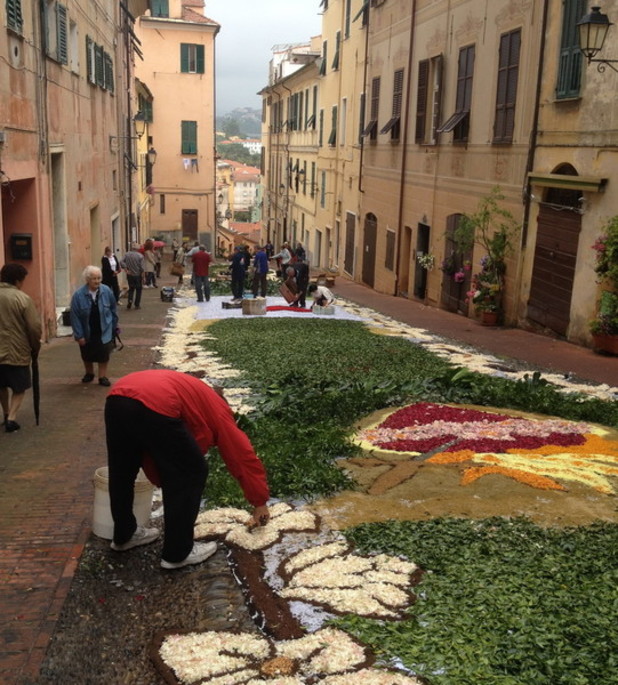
[
  {"x": 135, "y": 287},
  {"x": 131, "y": 430}
]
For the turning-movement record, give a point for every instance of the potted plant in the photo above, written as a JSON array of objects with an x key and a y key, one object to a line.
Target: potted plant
[
  {"x": 494, "y": 229},
  {"x": 604, "y": 327},
  {"x": 486, "y": 296}
]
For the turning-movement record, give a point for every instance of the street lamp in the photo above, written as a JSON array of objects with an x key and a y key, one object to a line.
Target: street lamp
[
  {"x": 139, "y": 124},
  {"x": 152, "y": 156},
  {"x": 593, "y": 29}
]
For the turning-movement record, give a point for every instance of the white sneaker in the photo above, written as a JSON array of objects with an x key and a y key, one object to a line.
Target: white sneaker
[
  {"x": 200, "y": 552},
  {"x": 142, "y": 536}
]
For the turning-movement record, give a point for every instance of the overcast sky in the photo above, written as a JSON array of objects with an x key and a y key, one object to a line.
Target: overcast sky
[{"x": 249, "y": 29}]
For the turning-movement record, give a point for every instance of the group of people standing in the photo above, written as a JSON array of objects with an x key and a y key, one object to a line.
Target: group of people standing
[{"x": 198, "y": 260}]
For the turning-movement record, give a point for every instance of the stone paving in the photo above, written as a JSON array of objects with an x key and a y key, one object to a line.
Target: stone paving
[{"x": 46, "y": 472}]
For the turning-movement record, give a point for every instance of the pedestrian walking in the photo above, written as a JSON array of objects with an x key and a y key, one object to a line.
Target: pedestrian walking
[
  {"x": 260, "y": 265},
  {"x": 201, "y": 261},
  {"x": 20, "y": 341},
  {"x": 166, "y": 421},
  {"x": 110, "y": 267},
  {"x": 150, "y": 265},
  {"x": 133, "y": 264},
  {"x": 94, "y": 320}
]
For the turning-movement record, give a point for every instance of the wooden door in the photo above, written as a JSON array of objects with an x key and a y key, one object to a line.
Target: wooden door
[
  {"x": 189, "y": 224},
  {"x": 555, "y": 258},
  {"x": 422, "y": 248},
  {"x": 350, "y": 242},
  {"x": 369, "y": 249}
]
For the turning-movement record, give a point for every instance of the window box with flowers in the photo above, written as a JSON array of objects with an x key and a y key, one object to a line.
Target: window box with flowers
[{"x": 604, "y": 327}]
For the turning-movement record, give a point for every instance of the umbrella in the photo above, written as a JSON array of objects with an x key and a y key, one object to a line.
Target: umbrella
[
  {"x": 158, "y": 243},
  {"x": 36, "y": 390}
]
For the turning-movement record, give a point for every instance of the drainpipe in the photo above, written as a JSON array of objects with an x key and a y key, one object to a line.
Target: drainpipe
[
  {"x": 365, "y": 71},
  {"x": 404, "y": 143},
  {"x": 534, "y": 133}
]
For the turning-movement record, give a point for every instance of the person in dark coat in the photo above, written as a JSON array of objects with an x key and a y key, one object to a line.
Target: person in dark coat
[
  {"x": 238, "y": 270},
  {"x": 110, "y": 267},
  {"x": 302, "y": 281},
  {"x": 260, "y": 263}
]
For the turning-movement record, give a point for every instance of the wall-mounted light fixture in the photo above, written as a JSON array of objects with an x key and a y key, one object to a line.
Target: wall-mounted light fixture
[
  {"x": 152, "y": 156},
  {"x": 139, "y": 128},
  {"x": 593, "y": 28}
]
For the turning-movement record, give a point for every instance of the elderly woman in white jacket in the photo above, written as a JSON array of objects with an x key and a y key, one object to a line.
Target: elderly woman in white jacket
[{"x": 94, "y": 320}]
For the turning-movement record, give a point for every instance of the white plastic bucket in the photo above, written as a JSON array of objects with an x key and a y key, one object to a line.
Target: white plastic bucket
[{"x": 102, "y": 522}]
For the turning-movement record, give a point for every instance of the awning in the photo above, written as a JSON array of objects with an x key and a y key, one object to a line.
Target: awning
[{"x": 589, "y": 183}]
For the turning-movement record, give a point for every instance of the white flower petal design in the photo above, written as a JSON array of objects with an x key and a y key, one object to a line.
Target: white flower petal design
[
  {"x": 196, "y": 656},
  {"x": 225, "y": 658},
  {"x": 369, "y": 586},
  {"x": 233, "y": 524},
  {"x": 324, "y": 652},
  {"x": 313, "y": 554},
  {"x": 351, "y": 601}
]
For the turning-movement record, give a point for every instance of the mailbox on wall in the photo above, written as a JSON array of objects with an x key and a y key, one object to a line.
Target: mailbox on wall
[{"x": 21, "y": 246}]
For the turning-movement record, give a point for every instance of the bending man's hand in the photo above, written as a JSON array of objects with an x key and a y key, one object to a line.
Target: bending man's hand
[{"x": 260, "y": 517}]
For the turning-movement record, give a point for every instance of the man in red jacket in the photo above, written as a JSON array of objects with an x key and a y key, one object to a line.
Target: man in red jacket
[
  {"x": 166, "y": 421},
  {"x": 201, "y": 260}
]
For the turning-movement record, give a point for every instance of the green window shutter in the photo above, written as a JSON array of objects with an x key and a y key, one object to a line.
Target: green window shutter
[
  {"x": 108, "y": 65},
  {"x": 14, "y": 17},
  {"x": 332, "y": 139},
  {"x": 89, "y": 60},
  {"x": 62, "y": 34},
  {"x": 184, "y": 58},
  {"x": 159, "y": 8},
  {"x": 570, "y": 65},
  {"x": 200, "y": 58},
  {"x": 335, "y": 64},
  {"x": 99, "y": 66},
  {"x": 189, "y": 138}
]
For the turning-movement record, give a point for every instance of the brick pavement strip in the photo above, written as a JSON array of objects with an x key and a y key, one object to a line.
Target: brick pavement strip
[{"x": 46, "y": 490}]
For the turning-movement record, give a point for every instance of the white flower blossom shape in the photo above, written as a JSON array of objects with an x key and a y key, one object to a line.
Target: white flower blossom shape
[
  {"x": 348, "y": 583},
  {"x": 232, "y": 523},
  {"x": 225, "y": 658}
]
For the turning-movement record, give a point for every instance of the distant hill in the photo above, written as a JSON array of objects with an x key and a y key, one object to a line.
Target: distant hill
[{"x": 243, "y": 121}]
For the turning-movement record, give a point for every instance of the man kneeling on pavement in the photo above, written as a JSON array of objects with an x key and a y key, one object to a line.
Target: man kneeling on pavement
[{"x": 166, "y": 421}]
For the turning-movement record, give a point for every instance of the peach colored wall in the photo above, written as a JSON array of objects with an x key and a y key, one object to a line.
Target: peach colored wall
[{"x": 176, "y": 97}]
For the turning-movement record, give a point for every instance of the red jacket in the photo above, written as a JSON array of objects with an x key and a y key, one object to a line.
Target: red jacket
[
  {"x": 208, "y": 418},
  {"x": 201, "y": 260}
]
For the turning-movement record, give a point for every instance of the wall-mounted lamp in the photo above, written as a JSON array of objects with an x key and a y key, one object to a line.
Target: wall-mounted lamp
[
  {"x": 152, "y": 156},
  {"x": 139, "y": 124},
  {"x": 139, "y": 127},
  {"x": 593, "y": 28},
  {"x": 282, "y": 188}
]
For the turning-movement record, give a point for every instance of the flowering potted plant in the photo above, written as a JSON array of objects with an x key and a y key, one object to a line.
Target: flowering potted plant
[
  {"x": 426, "y": 260},
  {"x": 604, "y": 327},
  {"x": 494, "y": 229}
]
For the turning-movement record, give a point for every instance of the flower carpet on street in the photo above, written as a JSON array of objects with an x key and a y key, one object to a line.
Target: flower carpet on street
[
  {"x": 297, "y": 573},
  {"x": 188, "y": 319},
  {"x": 539, "y": 452},
  {"x": 328, "y": 656},
  {"x": 329, "y": 574}
]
